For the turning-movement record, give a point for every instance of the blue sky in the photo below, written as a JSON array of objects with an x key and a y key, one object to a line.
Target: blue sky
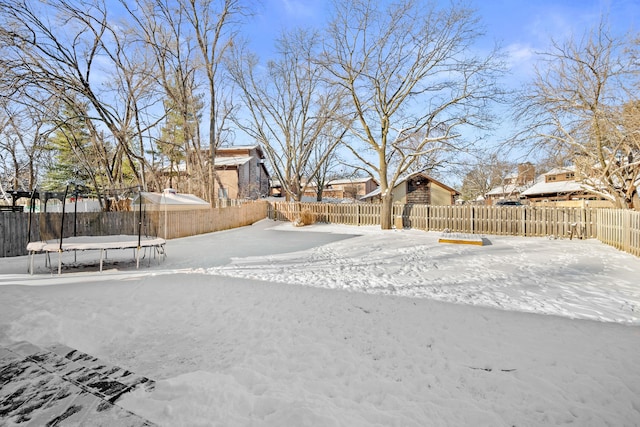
[{"x": 522, "y": 27}]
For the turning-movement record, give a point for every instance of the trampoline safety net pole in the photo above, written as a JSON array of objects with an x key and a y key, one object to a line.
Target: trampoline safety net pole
[
  {"x": 64, "y": 199},
  {"x": 31, "y": 212},
  {"x": 139, "y": 226}
]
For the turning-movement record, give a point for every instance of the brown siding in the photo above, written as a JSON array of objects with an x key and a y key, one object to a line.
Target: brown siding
[
  {"x": 419, "y": 191},
  {"x": 228, "y": 178}
]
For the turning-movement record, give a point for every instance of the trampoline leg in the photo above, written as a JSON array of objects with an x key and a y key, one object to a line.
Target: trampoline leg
[
  {"x": 138, "y": 258},
  {"x": 101, "y": 257},
  {"x": 59, "y": 263},
  {"x": 31, "y": 262}
]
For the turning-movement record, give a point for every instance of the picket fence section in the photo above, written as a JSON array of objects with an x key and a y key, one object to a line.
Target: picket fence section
[
  {"x": 620, "y": 228},
  {"x": 496, "y": 220}
]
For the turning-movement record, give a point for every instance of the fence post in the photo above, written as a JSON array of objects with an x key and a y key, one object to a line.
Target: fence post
[
  {"x": 626, "y": 230},
  {"x": 472, "y": 219},
  {"x": 428, "y": 218}
]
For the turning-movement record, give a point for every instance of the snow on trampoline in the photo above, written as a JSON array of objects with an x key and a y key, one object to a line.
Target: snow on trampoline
[{"x": 101, "y": 243}]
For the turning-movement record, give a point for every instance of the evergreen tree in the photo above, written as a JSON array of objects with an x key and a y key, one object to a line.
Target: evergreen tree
[
  {"x": 179, "y": 133},
  {"x": 70, "y": 150}
]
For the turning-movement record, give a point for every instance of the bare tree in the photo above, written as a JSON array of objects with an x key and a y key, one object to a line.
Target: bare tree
[
  {"x": 75, "y": 53},
  {"x": 326, "y": 158},
  {"x": 291, "y": 111},
  {"x": 23, "y": 133},
  {"x": 411, "y": 75},
  {"x": 44, "y": 55},
  {"x": 167, "y": 35},
  {"x": 482, "y": 175},
  {"x": 582, "y": 105},
  {"x": 212, "y": 23}
]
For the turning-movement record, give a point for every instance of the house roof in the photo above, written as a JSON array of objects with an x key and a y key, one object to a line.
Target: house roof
[
  {"x": 505, "y": 189},
  {"x": 556, "y": 171},
  {"x": 222, "y": 151},
  {"x": 169, "y": 197},
  {"x": 219, "y": 161},
  {"x": 232, "y": 161},
  {"x": 350, "y": 181},
  {"x": 238, "y": 147},
  {"x": 373, "y": 193},
  {"x": 555, "y": 187}
]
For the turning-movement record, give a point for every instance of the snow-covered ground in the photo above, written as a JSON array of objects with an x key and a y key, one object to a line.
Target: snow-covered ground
[{"x": 352, "y": 326}]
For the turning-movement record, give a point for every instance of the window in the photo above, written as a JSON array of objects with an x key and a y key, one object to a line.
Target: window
[{"x": 223, "y": 193}]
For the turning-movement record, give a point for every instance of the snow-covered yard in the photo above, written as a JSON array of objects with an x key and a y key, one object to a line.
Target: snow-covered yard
[{"x": 351, "y": 326}]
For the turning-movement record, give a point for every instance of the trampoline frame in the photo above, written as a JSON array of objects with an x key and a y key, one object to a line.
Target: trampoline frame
[{"x": 101, "y": 243}]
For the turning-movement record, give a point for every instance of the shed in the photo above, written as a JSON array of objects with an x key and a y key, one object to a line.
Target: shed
[{"x": 419, "y": 188}]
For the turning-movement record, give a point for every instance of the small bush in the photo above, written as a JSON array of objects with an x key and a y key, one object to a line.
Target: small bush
[{"x": 305, "y": 218}]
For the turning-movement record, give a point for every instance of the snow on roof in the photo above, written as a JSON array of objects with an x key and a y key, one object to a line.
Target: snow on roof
[
  {"x": 348, "y": 181},
  {"x": 556, "y": 187},
  {"x": 171, "y": 198},
  {"x": 556, "y": 171},
  {"x": 238, "y": 147},
  {"x": 505, "y": 189},
  {"x": 232, "y": 161},
  {"x": 371, "y": 194}
]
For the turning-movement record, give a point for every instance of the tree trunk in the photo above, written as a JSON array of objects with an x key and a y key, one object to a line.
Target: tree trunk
[{"x": 387, "y": 212}]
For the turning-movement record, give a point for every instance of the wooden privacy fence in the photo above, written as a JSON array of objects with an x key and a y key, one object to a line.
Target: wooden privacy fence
[
  {"x": 618, "y": 228},
  {"x": 190, "y": 223},
  {"x": 333, "y": 213},
  {"x": 497, "y": 220},
  {"x": 15, "y": 229},
  {"x": 18, "y": 228}
]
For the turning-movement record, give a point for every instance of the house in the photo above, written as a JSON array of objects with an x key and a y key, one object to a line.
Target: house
[
  {"x": 559, "y": 185},
  {"x": 418, "y": 188},
  {"x": 275, "y": 188},
  {"x": 513, "y": 185},
  {"x": 241, "y": 172},
  {"x": 347, "y": 188}
]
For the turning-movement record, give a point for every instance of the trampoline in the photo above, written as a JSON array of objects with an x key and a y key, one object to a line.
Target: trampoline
[
  {"x": 101, "y": 243},
  {"x": 87, "y": 243}
]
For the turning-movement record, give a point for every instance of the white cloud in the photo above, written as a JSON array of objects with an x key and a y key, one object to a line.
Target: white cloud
[
  {"x": 519, "y": 53},
  {"x": 521, "y": 59},
  {"x": 297, "y": 8}
]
